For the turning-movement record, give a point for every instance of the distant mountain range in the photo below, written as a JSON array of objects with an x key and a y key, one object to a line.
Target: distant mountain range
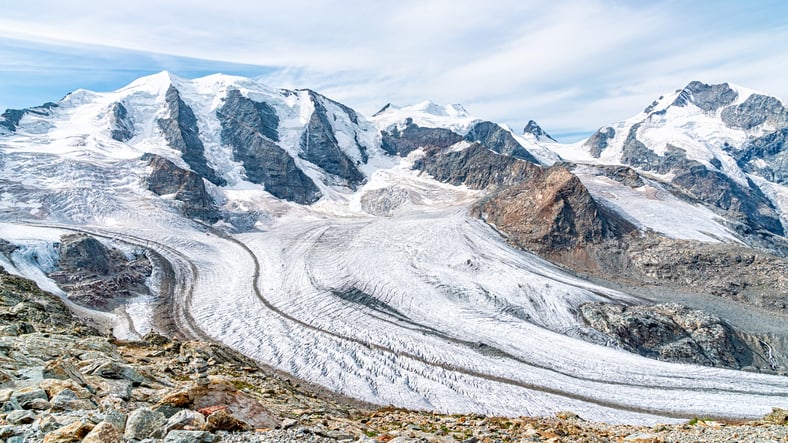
[{"x": 331, "y": 244}]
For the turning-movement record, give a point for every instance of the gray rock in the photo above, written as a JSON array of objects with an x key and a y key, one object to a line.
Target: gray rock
[
  {"x": 24, "y": 396},
  {"x": 121, "y": 126},
  {"x": 10, "y": 119},
  {"x": 766, "y": 156},
  {"x": 117, "y": 371},
  {"x": 749, "y": 205},
  {"x": 10, "y": 431},
  {"x": 497, "y": 139},
  {"x": 755, "y": 111},
  {"x": 20, "y": 417},
  {"x": 637, "y": 154},
  {"x": 120, "y": 389},
  {"x": 67, "y": 400},
  {"x": 533, "y": 128},
  {"x": 11, "y": 405},
  {"x": 144, "y": 423},
  {"x": 670, "y": 332},
  {"x": 598, "y": 142},
  {"x": 38, "y": 404},
  {"x": 263, "y": 160},
  {"x": 320, "y": 147},
  {"x": 414, "y": 137},
  {"x": 83, "y": 252},
  {"x": 63, "y": 369},
  {"x": 180, "y": 436},
  {"x": 116, "y": 418},
  {"x": 47, "y": 423},
  {"x": 185, "y": 419},
  {"x": 622, "y": 174},
  {"x": 188, "y": 187},
  {"x": 181, "y": 132},
  {"x": 476, "y": 167},
  {"x": 707, "y": 97}
]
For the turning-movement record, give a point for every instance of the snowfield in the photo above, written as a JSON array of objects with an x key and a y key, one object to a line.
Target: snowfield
[{"x": 391, "y": 294}]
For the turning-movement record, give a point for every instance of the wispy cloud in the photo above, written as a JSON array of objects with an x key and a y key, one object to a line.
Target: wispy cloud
[{"x": 572, "y": 65}]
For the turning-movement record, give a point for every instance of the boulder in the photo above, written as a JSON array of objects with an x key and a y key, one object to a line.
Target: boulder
[
  {"x": 223, "y": 420},
  {"x": 71, "y": 433},
  {"x": 185, "y": 419},
  {"x": 118, "y": 371},
  {"x": 54, "y": 386},
  {"x": 144, "y": 423},
  {"x": 20, "y": 417},
  {"x": 25, "y": 395},
  {"x": 68, "y": 400},
  {"x": 103, "y": 433}
]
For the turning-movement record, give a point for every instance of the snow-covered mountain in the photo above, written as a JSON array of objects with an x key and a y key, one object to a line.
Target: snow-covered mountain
[
  {"x": 723, "y": 145},
  {"x": 391, "y": 258}
]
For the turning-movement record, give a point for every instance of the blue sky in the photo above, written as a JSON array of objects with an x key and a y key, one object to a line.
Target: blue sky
[{"x": 572, "y": 65}]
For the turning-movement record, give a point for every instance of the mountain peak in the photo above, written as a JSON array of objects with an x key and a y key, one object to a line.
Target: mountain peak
[
  {"x": 429, "y": 107},
  {"x": 534, "y": 129},
  {"x": 159, "y": 82}
]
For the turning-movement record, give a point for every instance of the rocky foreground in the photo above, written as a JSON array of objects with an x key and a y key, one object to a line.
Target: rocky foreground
[{"x": 61, "y": 381}]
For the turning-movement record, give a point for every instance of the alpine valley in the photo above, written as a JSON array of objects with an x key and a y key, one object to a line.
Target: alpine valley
[{"x": 420, "y": 257}]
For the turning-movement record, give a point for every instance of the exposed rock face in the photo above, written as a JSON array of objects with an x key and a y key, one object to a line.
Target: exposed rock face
[
  {"x": 670, "y": 332},
  {"x": 533, "y": 128},
  {"x": 80, "y": 252},
  {"x": 476, "y": 167},
  {"x": 766, "y": 156},
  {"x": 755, "y": 111},
  {"x": 637, "y": 154},
  {"x": 730, "y": 271},
  {"x": 414, "y": 137},
  {"x": 9, "y": 120},
  {"x": 707, "y": 97},
  {"x": 320, "y": 146},
  {"x": 181, "y": 132},
  {"x": 599, "y": 141},
  {"x": 249, "y": 127},
  {"x": 499, "y": 140},
  {"x": 622, "y": 174},
  {"x": 748, "y": 205},
  {"x": 94, "y": 275},
  {"x": 166, "y": 178},
  {"x": 120, "y": 124},
  {"x": 550, "y": 213}
]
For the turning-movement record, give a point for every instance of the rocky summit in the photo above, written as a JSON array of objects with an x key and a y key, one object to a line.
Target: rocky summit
[{"x": 61, "y": 381}]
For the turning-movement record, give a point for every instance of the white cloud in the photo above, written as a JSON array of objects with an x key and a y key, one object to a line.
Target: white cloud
[{"x": 573, "y": 65}]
